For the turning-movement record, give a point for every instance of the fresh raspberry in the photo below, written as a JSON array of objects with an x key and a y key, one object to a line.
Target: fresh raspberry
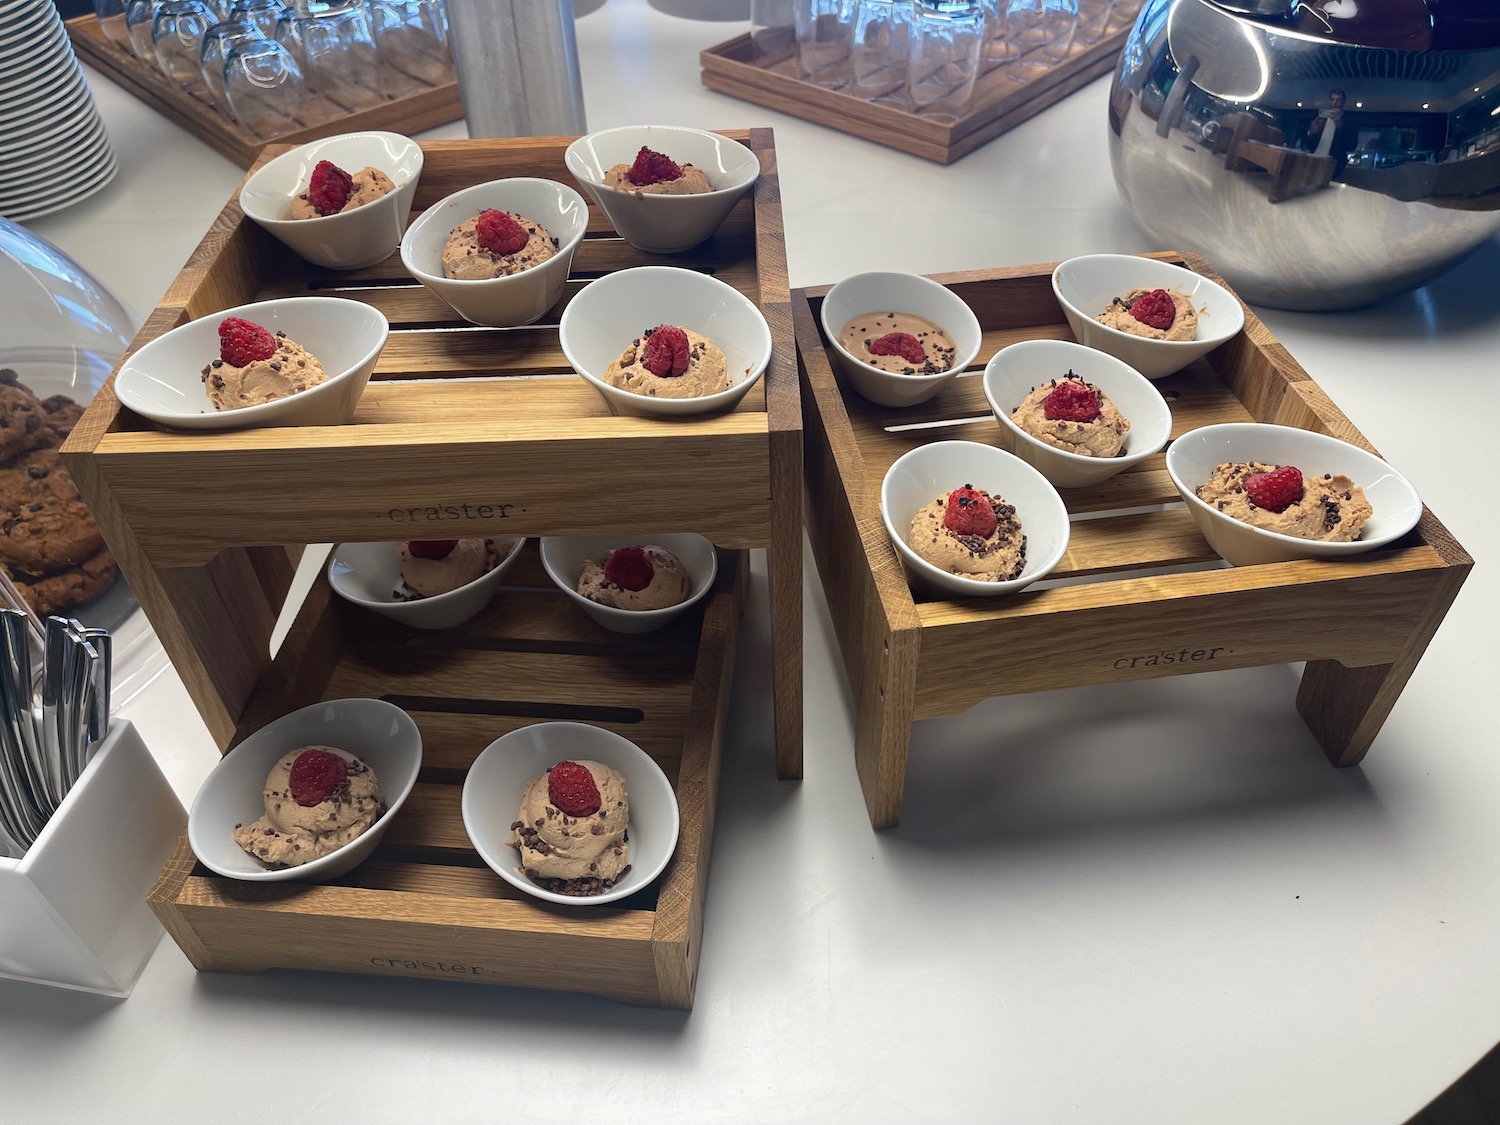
[
  {"x": 315, "y": 775},
  {"x": 242, "y": 342},
  {"x": 499, "y": 233},
  {"x": 629, "y": 568},
  {"x": 653, "y": 168},
  {"x": 1155, "y": 309},
  {"x": 431, "y": 548},
  {"x": 904, "y": 344},
  {"x": 571, "y": 788},
  {"x": 1072, "y": 400},
  {"x": 329, "y": 188},
  {"x": 666, "y": 351},
  {"x": 1277, "y": 490},
  {"x": 969, "y": 513}
]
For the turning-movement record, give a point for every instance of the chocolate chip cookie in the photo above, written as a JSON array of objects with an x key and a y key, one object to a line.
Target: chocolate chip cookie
[
  {"x": 71, "y": 586},
  {"x": 62, "y": 415},
  {"x": 23, "y": 420},
  {"x": 44, "y": 525}
]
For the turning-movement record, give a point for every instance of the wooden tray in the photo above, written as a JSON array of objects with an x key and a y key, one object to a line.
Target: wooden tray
[
  {"x": 1000, "y": 104},
  {"x": 425, "y": 904},
  {"x": 436, "y": 105},
  {"x": 1361, "y": 624}
]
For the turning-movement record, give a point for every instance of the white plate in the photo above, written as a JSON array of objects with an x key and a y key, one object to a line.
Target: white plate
[
  {"x": 80, "y": 189},
  {"x": 499, "y": 776},
  {"x": 71, "y": 154}
]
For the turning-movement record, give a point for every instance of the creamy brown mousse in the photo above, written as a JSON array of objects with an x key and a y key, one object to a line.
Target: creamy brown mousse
[
  {"x": 997, "y": 557},
  {"x": 1332, "y": 509},
  {"x": 369, "y": 185},
  {"x": 431, "y": 567},
  {"x": 862, "y": 332},
  {"x": 1103, "y": 436},
  {"x": 669, "y": 584},
  {"x": 574, "y": 855},
  {"x": 1184, "y": 324},
  {"x": 707, "y": 370},
  {"x": 291, "y": 834},
  {"x": 464, "y": 259},
  {"x": 291, "y": 370},
  {"x": 691, "y": 182}
]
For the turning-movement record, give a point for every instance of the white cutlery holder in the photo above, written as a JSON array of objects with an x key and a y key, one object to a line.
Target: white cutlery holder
[{"x": 73, "y": 909}]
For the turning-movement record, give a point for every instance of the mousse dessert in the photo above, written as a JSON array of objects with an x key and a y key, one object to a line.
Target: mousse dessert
[
  {"x": 972, "y": 534},
  {"x": 1157, "y": 314},
  {"x": 255, "y": 367},
  {"x": 1279, "y": 498},
  {"x": 571, "y": 830},
  {"x": 332, "y": 190},
  {"x": 655, "y": 173},
  {"x": 1075, "y": 416},
  {"x": 496, "y": 244},
  {"x": 430, "y": 567},
  {"x": 670, "y": 362},
  {"x": 636, "y": 578},
  {"x": 898, "y": 342},
  {"x": 318, "y": 799}
]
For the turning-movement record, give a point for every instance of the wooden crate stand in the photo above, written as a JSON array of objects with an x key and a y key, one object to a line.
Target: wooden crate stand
[
  {"x": 910, "y": 659},
  {"x": 208, "y": 527}
]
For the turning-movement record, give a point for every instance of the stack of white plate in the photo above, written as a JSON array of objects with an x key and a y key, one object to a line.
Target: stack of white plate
[{"x": 53, "y": 148}]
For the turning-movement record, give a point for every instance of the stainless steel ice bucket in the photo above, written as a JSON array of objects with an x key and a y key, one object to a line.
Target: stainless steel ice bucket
[{"x": 1220, "y": 142}]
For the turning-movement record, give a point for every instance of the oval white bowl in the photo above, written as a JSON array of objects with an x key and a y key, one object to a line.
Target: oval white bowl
[
  {"x": 609, "y": 313},
  {"x": 921, "y": 475},
  {"x": 1085, "y": 286},
  {"x": 163, "y": 380},
  {"x": 889, "y": 291},
  {"x": 378, "y": 733},
  {"x": 350, "y": 239},
  {"x": 499, "y": 776},
  {"x": 499, "y": 302},
  {"x": 1192, "y": 457},
  {"x": 664, "y": 224},
  {"x": 366, "y": 574},
  {"x": 563, "y": 559},
  {"x": 1013, "y": 372}
]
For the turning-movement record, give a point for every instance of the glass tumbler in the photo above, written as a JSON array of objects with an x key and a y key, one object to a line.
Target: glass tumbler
[
  {"x": 943, "y": 56},
  {"x": 177, "y": 36},
  {"x": 410, "y": 43},
  {"x": 111, "y": 17},
  {"x": 218, "y": 41},
  {"x": 878, "y": 49},
  {"x": 262, "y": 13},
  {"x": 139, "y": 16},
  {"x": 1093, "y": 18},
  {"x": 773, "y": 26},
  {"x": 1122, "y": 15},
  {"x": 1038, "y": 34},
  {"x": 264, "y": 86},
  {"x": 338, "y": 52},
  {"x": 823, "y": 28}
]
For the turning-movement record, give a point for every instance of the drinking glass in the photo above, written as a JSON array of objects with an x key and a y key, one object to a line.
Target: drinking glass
[
  {"x": 1038, "y": 34},
  {"x": 823, "y": 40},
  {"x": 218, "y": 41},
  {"x": 1122, "y": 15},
  {"x": 338, "y": 52},
  {"x": 410, "y": 45},
  {"x": 1093, "y": 18},
  {"x": 177, "y": 37},
  {"x": 139, "y": 16},
  {"x": 879, "y": 48},
  {"x": 111, "y": 17},
  {"x": 262, "y": 13},
  {"x": 264, "y": 86},
  {"x": 773, "y": 26},
  {"x": 943, "y": 56}
]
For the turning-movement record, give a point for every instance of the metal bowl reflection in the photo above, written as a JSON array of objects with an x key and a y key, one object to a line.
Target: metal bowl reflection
[{"x": 1223, "y": 140}]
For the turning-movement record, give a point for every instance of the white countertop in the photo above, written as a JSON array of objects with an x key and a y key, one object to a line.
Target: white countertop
[{"x": 1145, "y": 903}]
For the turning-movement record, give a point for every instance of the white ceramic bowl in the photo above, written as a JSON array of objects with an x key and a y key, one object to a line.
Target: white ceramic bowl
[
  {"x": 367, "y": 575},
  {"x": 914, "y": 295},
  {"x": 1013, "y": 372},
  {"x": 351, "y": 239},
  {"x": 163, "y": 380},
  {"x": 1192, "y": 458},
  {"x": 563, "y": 559},
  {"x": 664, "y": 224},
  {"x": 499, "y": 302},
  {"x": 609, "y": 313},
  {"x": 499, "y": 776},
  {"x": 929, "y": 471},
  {"x": 1085, "y": 286},
  {"x": 378, "y": 733}
]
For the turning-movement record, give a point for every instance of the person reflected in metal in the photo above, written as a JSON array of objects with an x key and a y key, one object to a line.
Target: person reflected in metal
[{"x": 1331, "y": 133}]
